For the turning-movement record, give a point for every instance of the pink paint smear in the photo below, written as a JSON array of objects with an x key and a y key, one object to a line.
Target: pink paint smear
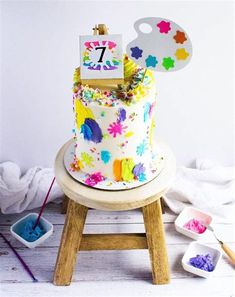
[
  {"x": 94, "y": 179},
  {"x": 195, "y": 226}
]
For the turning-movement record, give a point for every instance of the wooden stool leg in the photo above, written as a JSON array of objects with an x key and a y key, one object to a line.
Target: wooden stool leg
[
  {"x": 64, "y": 205},
  {"x": 162, "y": 205},
  {"x": 70, "y": 243},
  {"x": 156, "y": 242}
]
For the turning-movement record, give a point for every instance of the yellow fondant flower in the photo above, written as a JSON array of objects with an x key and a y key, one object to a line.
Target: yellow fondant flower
[{"x": 181, "y": 54}]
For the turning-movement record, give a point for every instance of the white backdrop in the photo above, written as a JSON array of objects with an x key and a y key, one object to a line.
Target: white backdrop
[{"x": 40, "y": 51}]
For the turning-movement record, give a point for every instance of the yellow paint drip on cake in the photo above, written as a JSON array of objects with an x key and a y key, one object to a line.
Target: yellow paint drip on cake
[
  {"x": 127, "y": 168},
  {"x": 82, "y": 113}
]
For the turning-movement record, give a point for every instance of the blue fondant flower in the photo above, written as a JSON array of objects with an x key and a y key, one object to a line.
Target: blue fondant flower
[
  {"x": 151, "y": 61},
  {"x": 136, "y": 52},
  {"x": 105, "y": 156}
]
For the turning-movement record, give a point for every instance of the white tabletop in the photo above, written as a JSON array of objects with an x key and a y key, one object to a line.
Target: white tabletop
[{"x": 116, "y": 200}]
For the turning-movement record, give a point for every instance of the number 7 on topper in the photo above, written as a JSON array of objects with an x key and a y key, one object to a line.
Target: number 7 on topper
[{"x": 101, "y": 57}]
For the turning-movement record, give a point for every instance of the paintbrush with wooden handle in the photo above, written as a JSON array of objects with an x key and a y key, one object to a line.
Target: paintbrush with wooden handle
[{"x": 226, "y": 249}]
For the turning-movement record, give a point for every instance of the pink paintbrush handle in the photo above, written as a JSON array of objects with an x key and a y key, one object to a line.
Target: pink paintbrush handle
[{"x": 44, "y": 204}]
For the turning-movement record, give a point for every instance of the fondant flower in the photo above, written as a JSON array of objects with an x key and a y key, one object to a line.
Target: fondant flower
[
  {"x": 181, "y": 54},
  {"x": 141, "y": 148},
  {"x": 94, "y": 179},
  {"x": 164, "y": 27},
  {"x": 180, "y": 37},
  {"x": 116, "y": 128},
  {"x": 168, "y": 63},
  {"x": 87, "y": 159},
  {"x": 136, "y": 52},
  {"x": 151, "y": 61}
]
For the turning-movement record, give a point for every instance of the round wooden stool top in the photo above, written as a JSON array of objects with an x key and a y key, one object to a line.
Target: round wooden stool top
[{"x": 115, "y": 200}]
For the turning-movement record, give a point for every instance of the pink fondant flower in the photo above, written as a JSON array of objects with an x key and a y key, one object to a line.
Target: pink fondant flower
[
  {"x": 164, "y": 27},
  {"x": 94, "y": 179},
  {"x": 116, "y": 128}
]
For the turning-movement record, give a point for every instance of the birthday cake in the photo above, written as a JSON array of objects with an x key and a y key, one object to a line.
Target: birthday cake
[
  {"x": 114, "y": 102},
  {"x": 114, "y": 128}
]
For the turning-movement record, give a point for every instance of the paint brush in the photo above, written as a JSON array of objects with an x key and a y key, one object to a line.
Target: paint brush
[
  {"x": 44, "y": 204},
  {"x": 19, "y": 258}
]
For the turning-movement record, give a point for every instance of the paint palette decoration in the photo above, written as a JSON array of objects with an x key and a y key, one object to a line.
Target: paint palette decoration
[
  {"x": 101, "y": 57},
  {"x": 165, "y": 47}
]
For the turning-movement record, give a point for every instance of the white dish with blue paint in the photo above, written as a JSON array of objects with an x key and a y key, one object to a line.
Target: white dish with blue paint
[{"x": 18, "y": 227}]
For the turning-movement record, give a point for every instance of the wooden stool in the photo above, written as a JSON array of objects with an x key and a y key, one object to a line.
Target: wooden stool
[{"x": 82, "y": 197}]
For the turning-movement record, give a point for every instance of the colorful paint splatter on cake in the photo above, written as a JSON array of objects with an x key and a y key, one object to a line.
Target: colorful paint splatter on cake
[{"x": 108, "y": 125}]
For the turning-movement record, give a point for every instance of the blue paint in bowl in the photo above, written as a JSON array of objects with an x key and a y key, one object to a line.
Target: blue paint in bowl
[
  {"x": 30, "y": 234},
  {"x": 23, "y": 230}
]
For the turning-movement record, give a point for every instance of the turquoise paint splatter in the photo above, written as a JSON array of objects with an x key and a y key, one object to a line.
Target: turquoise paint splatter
[
  {"x": 105, "y": 156},
  {"x": 141, "y": 148},
  {"x": 147, "y": 108},
  {"x": 142, "y": 177}
]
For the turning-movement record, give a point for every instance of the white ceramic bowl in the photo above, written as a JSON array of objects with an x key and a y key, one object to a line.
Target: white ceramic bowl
[
  {"x": 17, "y": 227},
  {"x": 192, "y": 213},
  {"x": 195, "y": 249}
]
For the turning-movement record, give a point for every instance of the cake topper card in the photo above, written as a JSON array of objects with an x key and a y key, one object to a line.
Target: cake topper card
[
  {"x": 101, "y": 57},
  {"x": 165, "y": 48}
]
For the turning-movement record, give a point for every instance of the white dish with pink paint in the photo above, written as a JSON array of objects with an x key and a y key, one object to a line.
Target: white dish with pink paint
[{"x": 188, "y": 214}]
